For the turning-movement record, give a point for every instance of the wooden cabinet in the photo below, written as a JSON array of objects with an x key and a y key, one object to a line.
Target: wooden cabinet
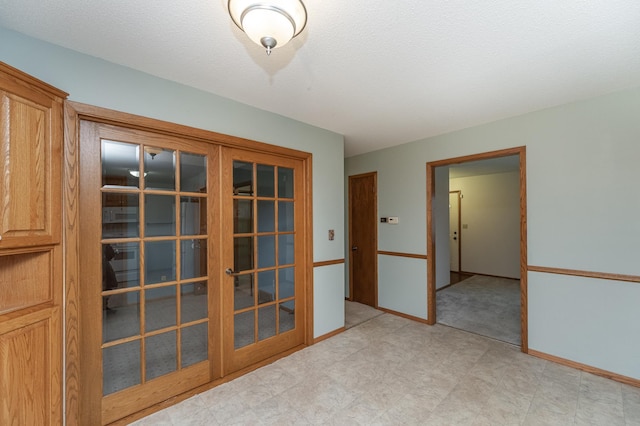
[
  {"x": 31, "y": 132},
  {"x": 30, "y": 148},
  {"x": 30, "y": 367}
]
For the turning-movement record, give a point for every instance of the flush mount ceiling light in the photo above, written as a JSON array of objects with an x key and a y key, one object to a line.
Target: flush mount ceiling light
[{"x": 269, "y": 23}]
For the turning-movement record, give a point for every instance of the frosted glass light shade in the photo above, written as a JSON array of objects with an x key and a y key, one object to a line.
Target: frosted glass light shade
[{"x": 270, "y": 24}]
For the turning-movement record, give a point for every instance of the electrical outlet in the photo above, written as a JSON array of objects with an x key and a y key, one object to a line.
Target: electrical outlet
[{"x": 332, "y": 234}]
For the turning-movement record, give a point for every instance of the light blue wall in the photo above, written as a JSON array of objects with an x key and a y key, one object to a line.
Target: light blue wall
[
  {"x": 583, "y": 208},
  {"x": 97, "y": 82},
  {"x": 402, "y": 285},
  {"x": 441, "y": 224},
  {"x": 591, "y": 321},
  {"x": 329, "y": 297}
]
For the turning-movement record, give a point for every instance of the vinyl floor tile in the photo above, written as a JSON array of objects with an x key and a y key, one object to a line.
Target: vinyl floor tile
[{"x": 368, "y": 375}]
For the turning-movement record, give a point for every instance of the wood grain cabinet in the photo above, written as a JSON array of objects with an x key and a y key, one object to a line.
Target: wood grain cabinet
[
  {"x": 30, "y": 148},
  {"x": 31, "y": 133}
]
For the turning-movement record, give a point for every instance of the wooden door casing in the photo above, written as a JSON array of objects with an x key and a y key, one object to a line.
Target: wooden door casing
[{"x": 363, "y": 239}]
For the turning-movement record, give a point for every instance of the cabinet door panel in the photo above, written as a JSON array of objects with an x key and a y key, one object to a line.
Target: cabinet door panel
[
  {"x": 29, "y": 366},
  {"x": 25, "y": 280},
  {"x": 24, "y": 146}
]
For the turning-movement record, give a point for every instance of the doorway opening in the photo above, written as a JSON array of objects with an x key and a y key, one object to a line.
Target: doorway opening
[{"x": 487, "y": 281}]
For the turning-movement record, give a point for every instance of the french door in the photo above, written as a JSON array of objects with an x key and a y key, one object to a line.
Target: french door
[
  {"x": 148, "y": 280},
  {"x": 263, "y": 256},
  {"x": 193, "y": 264}
]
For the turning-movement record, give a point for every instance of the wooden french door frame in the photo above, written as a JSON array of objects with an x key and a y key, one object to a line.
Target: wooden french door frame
[
  {"x": 183, "y": 376},
  {"x": 431, "y": 242},
  {"x": 374, "y": 228},
  {"x": 264, "y": 298},
  {"x": 79, "y": 409}
]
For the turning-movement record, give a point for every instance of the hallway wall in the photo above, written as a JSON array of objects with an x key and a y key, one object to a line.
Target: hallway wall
[
  {"x": 491, "y": 211},
  {"x": 582, "y": 215},
  {"x": 97, "y": 82}
]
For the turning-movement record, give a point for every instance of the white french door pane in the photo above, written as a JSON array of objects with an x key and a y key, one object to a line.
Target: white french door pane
[
  {"x": 265, "y": 181},
  {"x": 243, "y": 217},
  {"x": 266, "y": 322},
  {"x": 120, "y": 367},
  {"x": 120, "y": 316},
  {"x": 266, "y": 216},
  {"x": 120, "y": 164},
  {"x": 243, "y": 292},
  {"x": 193, "y": 172},
  {"x": 160, "y": 261},
  {"x": 159, "y": 168},
  {"x": 266, "y": 286},
  {"x": 160, "y": 308},
  {"x": 120, "y": 268},
  {"x": 243, "y": 253},
  {"x": 266, "y": 251},
  {"x": 160, "y": 355},
  {"x": 242, "y": 178},
  {"x": 287, "y": 316},
  {"x": 193, "y": 344},
  {"x": 193, "y": 216},
  {"x": 285, "y": 182},
  {"x": 286, "y": 283},
  {"x": 243, "y": 329},
  {"x": 193, "y": 302},
  {"x": 160, "y": 215},
  {"x": 286, "y": 249},
  {"x": 193, "y": 258},
  {"x": 120, "y": 215}
]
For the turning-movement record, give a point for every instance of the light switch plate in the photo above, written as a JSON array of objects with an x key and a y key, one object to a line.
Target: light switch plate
[{"x": 393, "y": 220}]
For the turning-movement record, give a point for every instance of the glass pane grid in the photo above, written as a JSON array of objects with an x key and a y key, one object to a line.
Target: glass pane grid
[
  {"x": 269, "y": 218},
  {"x": 169, "y": 227}
]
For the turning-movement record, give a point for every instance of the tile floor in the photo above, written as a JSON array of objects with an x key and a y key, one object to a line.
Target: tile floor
[
  {"x": 394, "y": 371},
  {"x": 357, "y": 313}
]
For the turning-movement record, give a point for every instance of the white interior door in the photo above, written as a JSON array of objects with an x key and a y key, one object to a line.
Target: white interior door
[{"x": 454, "y": 230}]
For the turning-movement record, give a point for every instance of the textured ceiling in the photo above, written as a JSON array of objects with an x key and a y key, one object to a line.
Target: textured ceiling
[{"x": 381, "y": 73}]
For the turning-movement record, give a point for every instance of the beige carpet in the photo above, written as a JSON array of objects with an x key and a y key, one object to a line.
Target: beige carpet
[{"x": 484, "y": 305}]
